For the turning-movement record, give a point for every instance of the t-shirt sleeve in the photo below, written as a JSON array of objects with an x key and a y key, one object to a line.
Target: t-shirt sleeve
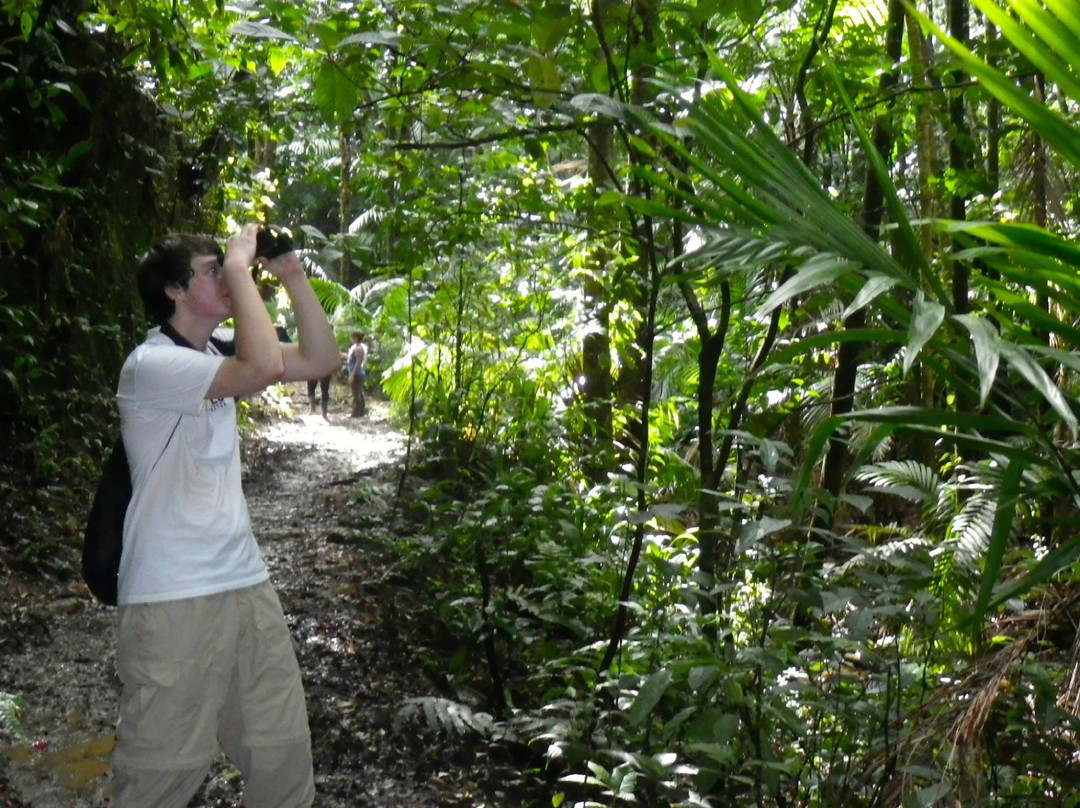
[
  {"x": 224, "y": 341},
  {"x": 168, "y": 377}
]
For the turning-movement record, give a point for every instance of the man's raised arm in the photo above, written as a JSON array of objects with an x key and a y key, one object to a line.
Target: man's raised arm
[{"x": 315, "y": 352}]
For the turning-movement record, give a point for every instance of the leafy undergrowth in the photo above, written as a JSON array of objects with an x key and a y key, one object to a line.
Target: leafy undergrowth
[{"x": 323, "y": 499}]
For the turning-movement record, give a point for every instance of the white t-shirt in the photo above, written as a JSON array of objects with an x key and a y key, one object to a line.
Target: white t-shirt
[{"x": 187, "y": 531}]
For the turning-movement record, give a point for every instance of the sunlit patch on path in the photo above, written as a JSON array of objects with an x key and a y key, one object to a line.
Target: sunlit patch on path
[{"x": 364, "y": 443}]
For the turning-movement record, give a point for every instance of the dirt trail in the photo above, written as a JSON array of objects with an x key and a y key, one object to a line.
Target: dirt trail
[{"x": 319, "y": 497}]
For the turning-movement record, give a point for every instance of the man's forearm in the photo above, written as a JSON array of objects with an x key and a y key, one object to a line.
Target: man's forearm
[
  {"x": 315, "y": 337},
  {"x": 256, "y": 340}
]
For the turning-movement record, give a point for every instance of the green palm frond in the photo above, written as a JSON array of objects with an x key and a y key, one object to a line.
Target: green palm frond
[
  {"x": 368, "y": 217},
  {"x": 332, "y": 295},
  {"x": 321, "y": 148},
  {"x": 909, "y": 479},
  {"x": 971, "y": 529},
  {"x": 1032, "y": 29},
  {"x": 724, "y": 247}
]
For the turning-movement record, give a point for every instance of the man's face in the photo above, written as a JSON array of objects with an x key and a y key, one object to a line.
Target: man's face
[{"x": 206, "y": 294}]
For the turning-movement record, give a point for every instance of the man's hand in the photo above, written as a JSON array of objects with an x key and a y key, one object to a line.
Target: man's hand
[
  {"x": 240, "y": 248},
  {"x": 285, "y": 267}
]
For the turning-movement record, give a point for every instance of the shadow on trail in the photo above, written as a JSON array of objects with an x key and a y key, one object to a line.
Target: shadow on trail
[{"x": 321, "y": 502}]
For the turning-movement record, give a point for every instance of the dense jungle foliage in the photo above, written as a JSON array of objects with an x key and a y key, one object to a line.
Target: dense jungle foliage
[{"x": 738, "y": 341}]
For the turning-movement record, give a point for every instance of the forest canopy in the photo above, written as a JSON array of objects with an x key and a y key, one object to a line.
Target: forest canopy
[{"x": 739, "y": 342}]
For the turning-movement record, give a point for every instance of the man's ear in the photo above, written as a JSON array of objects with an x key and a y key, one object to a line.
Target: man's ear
[{"x": 175, "y": 291}]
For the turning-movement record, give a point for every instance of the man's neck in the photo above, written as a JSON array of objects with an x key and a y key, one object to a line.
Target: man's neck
[{"x": 196, "y": 332}]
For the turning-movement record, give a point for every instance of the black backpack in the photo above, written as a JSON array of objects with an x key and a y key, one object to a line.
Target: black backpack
[{"x": 103, "y": 538}]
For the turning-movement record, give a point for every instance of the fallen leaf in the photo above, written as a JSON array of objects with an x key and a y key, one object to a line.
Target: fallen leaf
[{"x": 75, "y": 776}]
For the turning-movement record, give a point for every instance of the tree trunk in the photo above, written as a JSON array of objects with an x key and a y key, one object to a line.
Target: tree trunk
[
  {"x": 596, "y": 388},
  {"x": 960, "y": 152},
  {"x": 843, "y": 393},
  {"x": 344, "y": 204},
  {"x": 595, "y": 382},
  {"x": 645, "y": 292}
]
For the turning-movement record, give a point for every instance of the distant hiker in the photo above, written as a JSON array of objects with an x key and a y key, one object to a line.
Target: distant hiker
[
  {"x": 356, "y": 365},
  {"x": 205, "y": 655},
  {"x": 324, "y": 388}
]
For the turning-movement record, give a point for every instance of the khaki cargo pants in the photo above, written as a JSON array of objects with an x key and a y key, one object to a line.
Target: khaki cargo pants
[{"x": 208, "y": 670}]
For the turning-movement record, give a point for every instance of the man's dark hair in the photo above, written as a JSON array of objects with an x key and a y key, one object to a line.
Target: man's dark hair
[{"x": 169, "y": 264}]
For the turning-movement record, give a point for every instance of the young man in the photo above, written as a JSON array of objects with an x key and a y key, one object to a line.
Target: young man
[
  {"x": 355, "y": 362},
  {"x": 205, "y": 655}
]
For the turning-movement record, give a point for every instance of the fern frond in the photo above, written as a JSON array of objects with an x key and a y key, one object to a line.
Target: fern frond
[
  {"x": 11, "y": 709},
  {"x": 442, "y": 717},
  {"x": 970, "y": 529},
  {"x": 914, "y": 481},
  {"x": 321, "y": 148},
  {"x": 870, "y": 556},
  {"x": 369, "y": 216},
  {"x": 370, "y": 291}
]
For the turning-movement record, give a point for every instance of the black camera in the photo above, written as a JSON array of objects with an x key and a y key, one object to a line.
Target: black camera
[{"x": 272, "y": 242}]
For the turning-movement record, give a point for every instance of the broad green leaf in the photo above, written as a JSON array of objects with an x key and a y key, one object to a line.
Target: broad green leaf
[
  {"x": 1065, "y": 358},
  {"x": 390, "y": 39},
  {"x": 647, "y": 207},
  {"x": 1025, "y": 364},
  {"x": 600, "y": 104},
  {"x": 649, "y": 696},
  {"x": 1020, "y": 316},
  {"x": 548, "y": 30},
  {"x": 875, "y": 286},
  {"x": 816, "y": 272},
  {"x": 932, "y": 795},
  {"x": 829, "y": 340},
  {"x": 1002, "y": 531},
  {"x": 260, "y": 30},
  {"x": 702, "y": 676},
  {"x": 928, "y": 318},
  {"x": 544, "y": 79},
  {"x": 335, "y": 95},
  {"x": 987, "y": 350},
  {"x": 749, "y": 11},
  {"x": 278, "y": 59},
  {"x": 1067, "y": 11},
  {"x": 1027, "y": 237}
]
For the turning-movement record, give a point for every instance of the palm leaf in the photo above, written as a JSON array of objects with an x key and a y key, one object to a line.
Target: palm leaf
[
  {"x": 1007, "y": 497},
  {"x": 960, "y": 428},
  {"x": 927, "y": 318},
  {"x": 909, "y": 479},
  {"x": 987, "y": 351},
  {"x": 1023, "y": 362},
  {"x": 1050, "y": 45},
  {"x": 971, "y": 529},
  {"x": 1046, "y": 123},
  {"x": 908, "y": 241}
]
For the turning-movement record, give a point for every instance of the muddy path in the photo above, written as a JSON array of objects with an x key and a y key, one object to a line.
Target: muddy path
[{"x": 320, "y": 496}]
